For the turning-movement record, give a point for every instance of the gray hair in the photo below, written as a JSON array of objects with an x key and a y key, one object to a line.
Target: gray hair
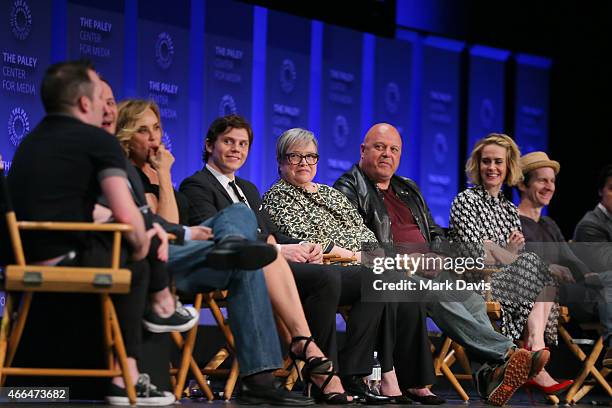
[{"x": 291, "y": 137}]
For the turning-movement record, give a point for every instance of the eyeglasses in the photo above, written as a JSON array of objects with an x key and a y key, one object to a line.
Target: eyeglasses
[{"x": 296, "y": 158}]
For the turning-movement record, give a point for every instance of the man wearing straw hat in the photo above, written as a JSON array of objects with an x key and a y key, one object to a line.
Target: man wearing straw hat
[{"x": 585, "y": 298}]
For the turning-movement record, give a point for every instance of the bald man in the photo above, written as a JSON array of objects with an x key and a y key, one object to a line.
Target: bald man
[{"x": 394, "y": 209}]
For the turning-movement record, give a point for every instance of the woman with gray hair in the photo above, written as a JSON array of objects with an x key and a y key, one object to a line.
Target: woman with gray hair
[
  {"x": 318, "y": 213},
  {"x": 311, "y": 211}
]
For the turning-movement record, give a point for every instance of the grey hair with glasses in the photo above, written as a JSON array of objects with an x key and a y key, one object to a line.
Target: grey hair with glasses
[{"x": 292, "y": 137}]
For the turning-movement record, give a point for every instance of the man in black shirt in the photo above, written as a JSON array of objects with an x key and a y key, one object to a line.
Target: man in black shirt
[{"x": 58, "y": 172}]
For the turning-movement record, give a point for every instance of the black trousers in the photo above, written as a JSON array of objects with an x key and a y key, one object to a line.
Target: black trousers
[
  {"x": 159, "y": 275},
  {"x": 404, "y": 344},
  {"x": 131, "y": 306},
  {"x": 322, "y": 289}
]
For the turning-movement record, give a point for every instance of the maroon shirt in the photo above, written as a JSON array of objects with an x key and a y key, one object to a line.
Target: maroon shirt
[{"x": 403, "y": 227}]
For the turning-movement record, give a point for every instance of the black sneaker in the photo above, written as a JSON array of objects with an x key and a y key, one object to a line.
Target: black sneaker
[
  {"x": 183, "y": 319},
  {"x": 147, "y": 394}
]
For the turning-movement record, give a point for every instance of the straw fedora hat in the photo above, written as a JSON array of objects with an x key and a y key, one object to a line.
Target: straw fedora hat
[{"x": 536, "y": 160}]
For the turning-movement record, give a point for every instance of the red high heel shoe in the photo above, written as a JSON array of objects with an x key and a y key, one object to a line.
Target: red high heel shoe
[{"x": 550, "y": 390}]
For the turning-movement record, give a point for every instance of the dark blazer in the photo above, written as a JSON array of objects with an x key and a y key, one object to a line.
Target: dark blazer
[
  {"x": 207, "y": 197},
  {"x": 595, "y": 227}
]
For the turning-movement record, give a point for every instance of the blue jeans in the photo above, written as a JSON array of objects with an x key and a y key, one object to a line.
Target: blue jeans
[
  {"x": 467, "y": 323},
  {"x": 248, "y": 304}
]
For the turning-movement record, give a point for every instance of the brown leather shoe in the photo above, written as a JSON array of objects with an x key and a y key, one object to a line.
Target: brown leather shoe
[
  {"x": 509, "y": 377},
  {"x": 607, "y": 361}
]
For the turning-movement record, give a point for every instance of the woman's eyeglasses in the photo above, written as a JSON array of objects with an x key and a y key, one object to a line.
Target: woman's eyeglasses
[{"x": 296, "y": 158}]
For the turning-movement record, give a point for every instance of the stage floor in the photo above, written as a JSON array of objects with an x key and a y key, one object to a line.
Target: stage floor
[{"x": 520, "y": 399}]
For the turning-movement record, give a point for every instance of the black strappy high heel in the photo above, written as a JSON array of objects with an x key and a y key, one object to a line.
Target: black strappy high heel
[
  {"x": 317, "y": 366},
  {"x": 322, "y": 367}
]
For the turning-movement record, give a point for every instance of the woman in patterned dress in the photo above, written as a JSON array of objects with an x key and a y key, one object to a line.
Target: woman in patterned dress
[
  {"x": 486, "y": 224},
  {"x": 319, "y": 213}
]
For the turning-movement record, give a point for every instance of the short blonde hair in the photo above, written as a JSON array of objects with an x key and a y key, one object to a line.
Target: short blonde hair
[
  {"x": 129, "y": 111},
  {"x": 514, "y": 173}
]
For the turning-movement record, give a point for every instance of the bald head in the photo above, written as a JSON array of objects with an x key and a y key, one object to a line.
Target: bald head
[
  {"x": 380, "y": 153},
  {"x": 382, "y": 129}
]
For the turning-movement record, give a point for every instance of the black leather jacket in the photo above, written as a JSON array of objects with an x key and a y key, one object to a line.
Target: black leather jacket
[{"x": 368, "y": 199}]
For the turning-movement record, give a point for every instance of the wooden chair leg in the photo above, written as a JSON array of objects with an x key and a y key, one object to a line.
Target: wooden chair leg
[
  {"x": 588, "y": 387},
  {"x": 454, "y": 382},
  {"x": 200, "y": 379},
  {"x": 584, "y": 372},
  {"x": 187, "y": 362},
  {"x": 120, "y": 349},
  {"x": 577, "y": 351},
  {"x": 4, "y": 333},
  {"x": 186, "y": 353},
  {"x": 216, "y": 311},
  {"x": 442, "y": 363},
  {"x": 217, "y": 360},
  {"x": 231, "y": 380},
  {"x": 108, "y": 335},
  {"x": 462, "y": 358},
  {"x": 294, "y": 375},
  {"x": 24, "y": 310},
  {"x": 443, "y": 352},
  {"x": 231, "y": 350}
]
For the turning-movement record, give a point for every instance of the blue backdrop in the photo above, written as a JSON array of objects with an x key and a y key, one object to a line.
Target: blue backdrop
[
  {"x": 203, "y": 58},
  {"x": 25, "y": 45},
  {"x": 531, "y": 103},
  {"x": 486, "y": 95},
  {"x": 164, "y": 73},
  {"x": 96, "y": 32},
  {"x": 287, "y": 85},
  {"x": 440, "y": 124}
]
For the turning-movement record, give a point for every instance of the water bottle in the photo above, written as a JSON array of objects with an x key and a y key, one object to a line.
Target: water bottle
[{"x": 375, "y": 378}]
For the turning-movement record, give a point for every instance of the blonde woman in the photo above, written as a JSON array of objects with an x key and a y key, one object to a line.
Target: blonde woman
[{"x": 484, "y": 223}]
